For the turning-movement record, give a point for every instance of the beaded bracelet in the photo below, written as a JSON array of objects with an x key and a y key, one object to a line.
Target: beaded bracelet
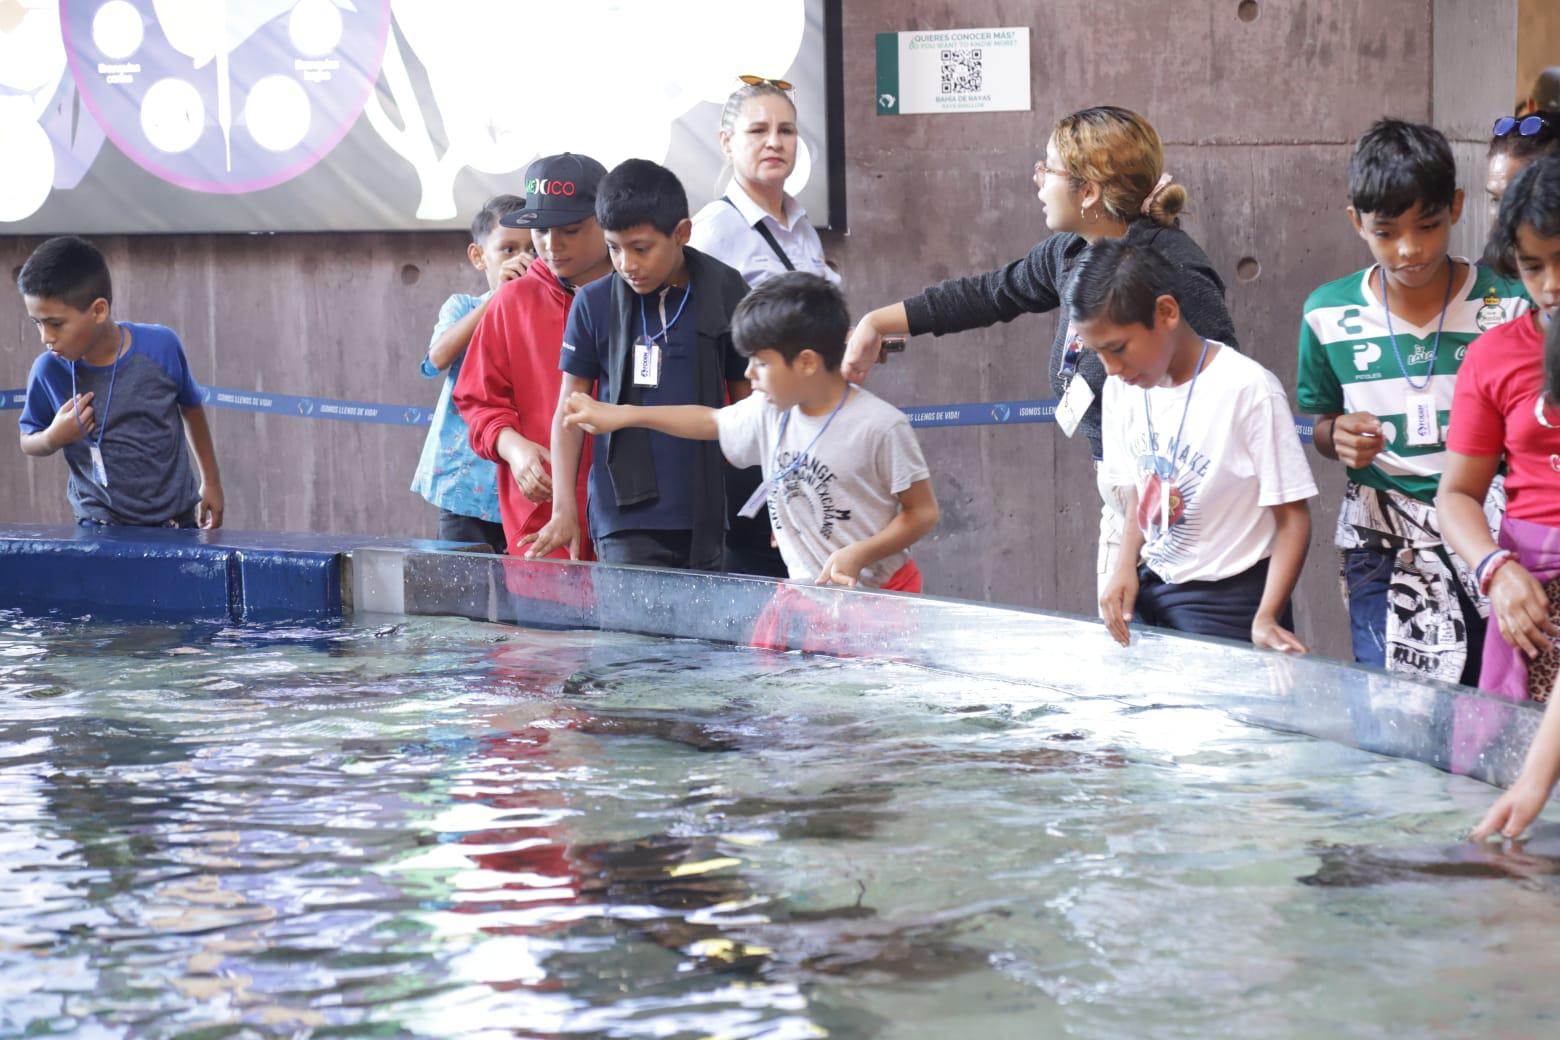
[{"x": 1485, "y": 571}]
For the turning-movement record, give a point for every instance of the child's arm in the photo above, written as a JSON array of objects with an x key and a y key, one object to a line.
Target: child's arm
[
  {"x": 449, "y": 345},
  {"x": 1290, "y": 543},
  {"x": 917, "y": 516},
  {"x": 693, "y": 422},
  {"x": 71, "y": 423},
  {"x": 209, "y": 512},
  {"x": 1524, "y": 800},
  {"x": 1517, "y": 600},
  {"x": 1120, "y": 596},
  {"x": 563, "y": 527}
]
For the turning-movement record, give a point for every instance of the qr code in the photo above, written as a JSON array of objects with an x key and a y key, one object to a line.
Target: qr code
[{"x": 961, "y": 70}]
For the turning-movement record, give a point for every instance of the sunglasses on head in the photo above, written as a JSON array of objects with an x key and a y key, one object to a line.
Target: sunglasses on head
[
  {"x": 1528, "y": 126},
  {"x": 753, "y": 81}
]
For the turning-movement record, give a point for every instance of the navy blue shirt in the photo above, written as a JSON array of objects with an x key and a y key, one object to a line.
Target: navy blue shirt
[
  {"x": 150, "y": 479},
  {"x": 585, "y": 340}
]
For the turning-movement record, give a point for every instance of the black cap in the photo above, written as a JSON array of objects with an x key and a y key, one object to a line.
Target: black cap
[{"x": 559, "y": 190}]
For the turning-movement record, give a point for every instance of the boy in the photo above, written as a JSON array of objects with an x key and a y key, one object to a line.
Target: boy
[
  {"x": 463, "y": 486},
  {"x": 1200, "y": 446},
  {"x": 508, "y": 388},
  {"x": 1379, "y": 354},
  {"x": 847, "y": 486},
  {"x": 117, "y": 397},
  {"x": 658, "y": 332}
]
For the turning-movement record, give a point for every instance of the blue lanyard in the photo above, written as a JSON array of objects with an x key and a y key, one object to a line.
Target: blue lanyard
[
  {"x": 1175, "y": 445},
  {"x": 113, "y": 375},
  {"x": 1451, "y": 269},
  {"x": 666, "y": 326},
  {"x": 796, "y": 460}
]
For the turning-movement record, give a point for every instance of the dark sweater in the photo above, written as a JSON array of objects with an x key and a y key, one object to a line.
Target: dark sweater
[{"x": 1033, "y": 284}]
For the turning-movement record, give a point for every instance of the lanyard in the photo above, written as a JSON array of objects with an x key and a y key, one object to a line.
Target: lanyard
[
  {"x": 1441, "y": 321},
  {"x": 666, "y": 326},
  {"x": 113, "y": 375},
  {"x": 750, "y": 507},
  {"x": 1175, "y": 445}
]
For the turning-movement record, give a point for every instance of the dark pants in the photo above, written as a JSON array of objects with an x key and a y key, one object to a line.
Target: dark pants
[
  {"x": 456, "y": 528},
  {"x": 652, "y": 549},
  {"x": 184, "y": 520},
  {"x": 1223, "y": 608}
]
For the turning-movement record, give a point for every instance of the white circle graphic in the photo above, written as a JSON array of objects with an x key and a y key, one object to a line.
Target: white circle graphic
[
  {"x": 277, "y": 113},
  {"x": 801, "y": 173},
  {"x": 28, "y": 171},
  {"x": 315, "y": 27},
  {"x": 117, "y": 29},
  {"x": 172, "y": 115}
]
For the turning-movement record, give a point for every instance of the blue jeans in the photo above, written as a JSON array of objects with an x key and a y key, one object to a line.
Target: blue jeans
[{"x": 1367, "y": 576}]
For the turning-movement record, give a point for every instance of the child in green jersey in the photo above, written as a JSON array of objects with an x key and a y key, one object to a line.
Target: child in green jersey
[{"x": 1379, "y": 354}]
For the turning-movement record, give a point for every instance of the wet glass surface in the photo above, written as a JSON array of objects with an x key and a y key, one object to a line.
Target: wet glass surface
[{"x": 430, "y": 827}]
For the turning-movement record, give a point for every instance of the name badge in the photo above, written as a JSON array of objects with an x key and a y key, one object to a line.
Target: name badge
[
  {"x": 99, "y": 472},
  {"x": 1076, "y": 401},
  {"x": 1424, "y": 424},
  {"x": 647, "y": 364}
]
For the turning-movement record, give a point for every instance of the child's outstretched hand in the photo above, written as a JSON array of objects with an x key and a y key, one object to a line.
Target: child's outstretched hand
[
  {"x": 591, "y": 415},
  {"x": 843, "y": 567},
  {"x": 1512, "y": 811},
  {"x": 1116, "y": 603},
  {"x": 208, "y": 513},
  {"x": 560, "y": 531},
  {"x": 1267, "y": 633},
  {"x": 73, "y": 421}
]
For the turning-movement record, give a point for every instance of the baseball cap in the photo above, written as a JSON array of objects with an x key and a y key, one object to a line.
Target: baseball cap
[{"x": 559, "y": 190}]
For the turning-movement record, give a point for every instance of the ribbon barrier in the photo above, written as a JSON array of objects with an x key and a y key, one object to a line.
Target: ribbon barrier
[{"x": 922, "y": 416}]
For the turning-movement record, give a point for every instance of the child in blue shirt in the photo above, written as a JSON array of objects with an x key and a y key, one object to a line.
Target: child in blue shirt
[
  {"x": 116, "y": 397},
  {"x": 449, "y": 474}
]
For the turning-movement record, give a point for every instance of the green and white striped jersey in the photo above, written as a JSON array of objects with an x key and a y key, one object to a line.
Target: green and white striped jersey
[{"x": 1348, "y": 364}]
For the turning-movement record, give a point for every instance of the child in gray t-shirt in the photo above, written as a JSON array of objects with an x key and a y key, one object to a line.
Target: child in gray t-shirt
[
  {"x": 117, "y": 397},
  {"x": 846, "y": 483}
]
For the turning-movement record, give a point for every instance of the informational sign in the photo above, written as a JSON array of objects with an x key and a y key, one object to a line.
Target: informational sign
[
  {"x": 953, "y": 70},
  {"x": 125, "y": 116}
]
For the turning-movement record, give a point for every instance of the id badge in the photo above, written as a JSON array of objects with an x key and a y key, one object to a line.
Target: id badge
[
  {"x": 99, "y": 473},
  {"x": 755, "y": 501},
  {"x": 1424, "y": 425},
  {"x": 1076, "y": 401},
  {"x": 647, "y": 364}
]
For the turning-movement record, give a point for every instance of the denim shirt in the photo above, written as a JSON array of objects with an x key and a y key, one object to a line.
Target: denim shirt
[{"x": 449, "y": 474}]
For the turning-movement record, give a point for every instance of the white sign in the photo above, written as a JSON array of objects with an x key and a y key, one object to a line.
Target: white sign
[{"x": 953, "y": 70}]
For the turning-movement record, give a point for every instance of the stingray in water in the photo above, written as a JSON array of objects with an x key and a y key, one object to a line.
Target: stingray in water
[{"x": 1356, "y": 866}]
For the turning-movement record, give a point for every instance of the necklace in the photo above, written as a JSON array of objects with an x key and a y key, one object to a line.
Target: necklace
[{"x": 1164, "y": 472}]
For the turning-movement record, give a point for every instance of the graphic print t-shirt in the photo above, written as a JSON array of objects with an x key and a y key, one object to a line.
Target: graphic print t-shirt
[
  {"x": 1238, "y": 455},
  {"x": 845, "y": 485}
]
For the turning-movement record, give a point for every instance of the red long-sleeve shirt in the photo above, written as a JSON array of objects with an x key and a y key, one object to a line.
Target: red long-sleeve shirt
[{"x": 510, "y": 380}]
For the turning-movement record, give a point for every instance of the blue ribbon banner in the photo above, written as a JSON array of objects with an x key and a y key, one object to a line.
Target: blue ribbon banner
[{"x": 980, "y": 413}]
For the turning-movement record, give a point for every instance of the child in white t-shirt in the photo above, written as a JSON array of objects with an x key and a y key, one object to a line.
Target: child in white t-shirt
[
  {"x": 847, "y": 486},
  {"x": 1200, "y": 440}
]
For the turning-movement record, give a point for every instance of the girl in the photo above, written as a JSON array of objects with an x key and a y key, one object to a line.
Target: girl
[
  {"x": 1102, "y": 177},
  {"x": 1505, "y": 406},
  {"x": 1200, "y": 446},
  {"x": 1515, "y": 142}
]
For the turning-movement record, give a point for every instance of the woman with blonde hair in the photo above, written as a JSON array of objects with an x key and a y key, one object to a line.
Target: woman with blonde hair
[{"x": 1102, "y": 177}]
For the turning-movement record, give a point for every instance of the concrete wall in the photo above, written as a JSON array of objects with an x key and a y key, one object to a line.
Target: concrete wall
[{"x": 1257, "y": 115}]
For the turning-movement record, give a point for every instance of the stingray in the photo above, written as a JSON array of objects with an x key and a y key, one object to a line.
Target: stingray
[
  {"x": 1357, "y": 866},
  {"x": 848, "y": 812}
]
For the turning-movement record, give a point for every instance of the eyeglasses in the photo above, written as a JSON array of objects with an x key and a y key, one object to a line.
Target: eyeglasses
[
  {"x": 1041, "y": 169},
  {"x": 1529, "y": 126},
  {"x": 753, "y": 81}
]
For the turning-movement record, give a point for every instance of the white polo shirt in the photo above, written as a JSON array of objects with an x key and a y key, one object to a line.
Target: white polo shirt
[{"x": 729, "y": 233}]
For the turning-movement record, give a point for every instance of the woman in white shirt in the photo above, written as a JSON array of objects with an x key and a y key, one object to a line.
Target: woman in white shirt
[{"x": 756, "y": 226}]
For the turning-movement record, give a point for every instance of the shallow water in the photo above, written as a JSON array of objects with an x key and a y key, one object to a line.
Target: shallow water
[{"x": 443, "y": 828}]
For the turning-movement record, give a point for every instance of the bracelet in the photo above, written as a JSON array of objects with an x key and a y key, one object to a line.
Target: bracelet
[{"x": 1485, "y": 571}]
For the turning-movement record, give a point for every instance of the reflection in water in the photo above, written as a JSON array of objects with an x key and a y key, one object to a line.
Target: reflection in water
[{"x": 433, "y": 828}]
